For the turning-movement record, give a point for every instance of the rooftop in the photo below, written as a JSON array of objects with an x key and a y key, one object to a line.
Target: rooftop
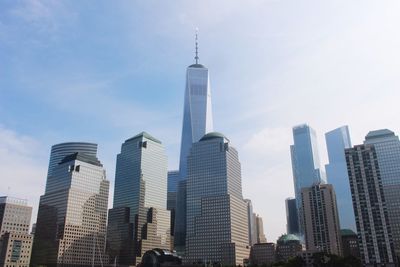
[
  {"x": 197, "y": 66},
  {"x": 13, "y": 200},
  {"x": 213, "y": 135},
  {"x": 82, "y": 157},
  {"x": 288, "y": 237},
  {"x": 347, "y": 232},
  {"x": 379, "y": 134},
  {"x": 145, "y": 135}
]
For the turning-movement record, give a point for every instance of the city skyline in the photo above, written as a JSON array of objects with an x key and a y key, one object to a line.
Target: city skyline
[{"x": 262, "y": 80}]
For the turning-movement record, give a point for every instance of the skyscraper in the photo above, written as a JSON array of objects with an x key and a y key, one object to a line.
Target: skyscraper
[
  {"x": 251, "y": 223},
  {"x": 305, "y": 163},
  {"x": 60, "y": 151},
  {"x": 197, "y": 112},
  {"x": 141, "y": 192},
  {"x": 15, "y": 240},
  {"x": 72, "y": 217},
  {"x": 336, "y": 142},
  {"x": 370, "y": 206},
  {"x": 197, "y": 121},
  {"x": 217, "y": 229},
  {"x": 321, "y": 219},
  {"x": 292, "y": 221},
  {"x": 259, "y": 229},
  {"x": 387, "y": 147}
]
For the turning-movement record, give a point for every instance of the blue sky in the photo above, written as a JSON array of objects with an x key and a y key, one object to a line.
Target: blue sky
[{"x": 79, "y": 71}]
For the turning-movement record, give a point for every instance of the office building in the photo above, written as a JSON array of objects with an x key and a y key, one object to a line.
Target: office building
[
  {"x": 173, "y": 181},
  {"x": 349, "y": 243},
  {"x": 197, "y": 121},
  {"x": 217, "y": 229},
  {"x": 262, "y": 254},
  {"x": 287, "y": 246},
  {"x": 251, "y": 223},
  {"x": 369, "y": 200},
  {"x": 305, "y": 164},
  {"x": 292, "y": 221},
  {"x": 321, "y": 219},
  {"x": 60, "y": 151},
  {"x": 72, "y": 216},
  {"x": 140, "y": 195},
  {"x": 197, "y": 111},
  {"x": 260, "y": 236},
  {"x": 336, "y": 142},
  {"x": 15, "y": 240},
  {"x": 387, "y": 148},
  {"x": 180, "y": 219}
]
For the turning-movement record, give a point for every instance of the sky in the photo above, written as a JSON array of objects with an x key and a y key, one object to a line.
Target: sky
[{"x": 103, "y": 72}]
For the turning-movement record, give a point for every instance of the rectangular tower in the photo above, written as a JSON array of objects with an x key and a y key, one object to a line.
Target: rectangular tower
[
  {"x": 72, "y": 217},
  {"x": 370, "y": 207},
  {"x": 217, "y": 229},
  {"x": 337, "y": 141},
  {"x": 141, "y": 195},
  {"x": 305, "y": 164},
  {"x": 321, "y": 220},
  {"x": 292, "y": 221},
  {"x": 15, "y": 240}
]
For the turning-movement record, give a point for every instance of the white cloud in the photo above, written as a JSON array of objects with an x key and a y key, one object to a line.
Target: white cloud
[{"x": 23, "y": 167}]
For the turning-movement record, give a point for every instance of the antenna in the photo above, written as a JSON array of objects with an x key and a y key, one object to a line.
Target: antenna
[{"x": 197, "y": 46}]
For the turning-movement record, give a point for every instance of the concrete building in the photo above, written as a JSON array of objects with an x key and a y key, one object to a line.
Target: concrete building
[
  {"x": 292, "y": 221},
  {"x": 370, "y": 205},
  {"x": 337, "y": 141},
  {"x": 251, "y": 223},
  {"x": 287, "y": 246},
  {"x": 387, "y": 148},
  {"x": 139, "y": 220},
  {"x": 349, "y": 243},
  {"x": 72, "y": 216},
  {"x": 263, "y": 254},
  {"x": 217, "y": 229},
  {"x": 321, "y": 219},
  {"x": 259, "y": 229},
  {"x": 15, "y": 240},
  {"x": 306, "y": 166}
]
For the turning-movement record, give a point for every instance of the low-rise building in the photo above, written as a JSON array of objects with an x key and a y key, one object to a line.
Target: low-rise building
[
  {"x": 287, "y": 247},
  {"x": 262, "y": 254}
]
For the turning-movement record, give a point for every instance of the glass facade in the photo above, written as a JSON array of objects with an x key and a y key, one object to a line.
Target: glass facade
[
  {"x": 292, "y": 222},
  {"x": 60, "y": 151},
  {"x": 387, "y": 147},
  {"x": 370, "y": 206},
  {"x": 141, "y": 188},
  {"x": 305, "y": 163},
  {"x": 72, "y": 217},
  {"x": 216, "y": 217},
  {"x": 197, "y": 112},
  {"x": 336, "y": 142}
]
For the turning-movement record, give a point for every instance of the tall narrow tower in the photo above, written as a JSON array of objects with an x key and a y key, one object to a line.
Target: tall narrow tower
[{"x": 197, "y": 113}]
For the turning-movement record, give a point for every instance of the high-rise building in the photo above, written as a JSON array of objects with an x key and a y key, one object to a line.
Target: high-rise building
[
  {"x": 173, "y": 181},
  {"x": 251, "y": 223},
  {"x": 260, "y": 236},
  {"x": 370, "y": 206},
  {"x": 140, "y": 195},
  {"x": 72, "y": 217},
  {"x": 197, "y": 121},
  {"x": 292, "y": 221},
  {"x": 15, "y": 240},
  {"x": 217, "y": 229},
  {"x": 305, "y": 164},
  {"x": 387, "y": 148},
  {"x": 197, "y": 112},
  {"x": 321, "y": 219},
  {"x": 60, "y": 151},
  {"x": 336, "y": 142}
]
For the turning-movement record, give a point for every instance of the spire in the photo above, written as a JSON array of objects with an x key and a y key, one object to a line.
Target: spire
[{"x": 197, "y": 47}]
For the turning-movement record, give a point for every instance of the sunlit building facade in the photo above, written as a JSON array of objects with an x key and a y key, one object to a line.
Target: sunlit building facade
[
  {"x": 217, "y": 229},
  {"x": 72, "y": 217}
]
